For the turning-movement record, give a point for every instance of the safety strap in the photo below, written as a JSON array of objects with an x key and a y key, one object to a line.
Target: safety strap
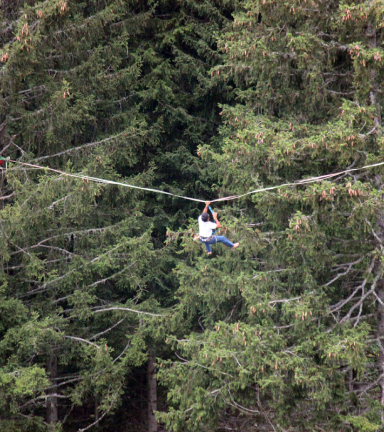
[{"x": 213, "y": 232}]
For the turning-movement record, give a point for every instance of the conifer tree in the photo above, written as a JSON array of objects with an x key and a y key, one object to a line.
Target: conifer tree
[
  {"x": 287, "y": 334},
  {"x": 114, "y": 90}
]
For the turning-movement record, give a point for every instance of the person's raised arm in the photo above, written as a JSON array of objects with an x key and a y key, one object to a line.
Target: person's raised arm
[
  {"x": 206, "y": 206},
  {"x": 218, "y": 224}
]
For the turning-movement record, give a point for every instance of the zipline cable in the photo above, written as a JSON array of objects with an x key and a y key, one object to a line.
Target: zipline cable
[
  {"x": 104, "y": 181},
  {"x": 228, "y": 198}
]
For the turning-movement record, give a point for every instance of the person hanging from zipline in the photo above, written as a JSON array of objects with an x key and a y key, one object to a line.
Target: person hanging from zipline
[{"x": 205, "y": 230}]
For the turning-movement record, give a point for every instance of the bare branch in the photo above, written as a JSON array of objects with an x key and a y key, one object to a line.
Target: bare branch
[
  {"x": 98, "y": 420},
  {"x": 82, "y": 340},
  {"x": 127, "y": 309},
  {"x": 108, "y": 330},
  {"x": 110, "y": 277},
  {"x": 363, "y": 297},
  {"x": 346, "y": 272},
  {"x": 122, "y": 352},
  {"x": 344, "y": 302},
  {"x": 80, "y": 147},
  {"x": 61, "y": 199},
  {"x": 42, "y": 398},
  {"x": 7, "y": 196}
]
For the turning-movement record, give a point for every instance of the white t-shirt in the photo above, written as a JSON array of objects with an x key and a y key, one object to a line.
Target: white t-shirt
[{"x": 205, "y": 228}]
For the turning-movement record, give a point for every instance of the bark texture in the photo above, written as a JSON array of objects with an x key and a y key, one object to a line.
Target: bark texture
[
  {"x": 52, "y": 411},
  {"x": 380, "y": 341},
  {"x": 152, "y": 393}
]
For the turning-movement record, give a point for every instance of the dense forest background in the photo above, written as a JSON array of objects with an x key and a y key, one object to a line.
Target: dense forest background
[{"x": 112, "y": 317}]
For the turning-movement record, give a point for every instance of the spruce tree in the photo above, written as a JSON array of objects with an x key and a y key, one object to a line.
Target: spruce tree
[
  {"x": 114, "y": 90},
  {"x": 287, "y": 333}
]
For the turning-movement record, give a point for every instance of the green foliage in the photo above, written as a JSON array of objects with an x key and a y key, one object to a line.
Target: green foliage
[
  {"x": 287, "y": 333},
  {"x": 200, "y": 99},
  {"x": 116, "y": 90}
]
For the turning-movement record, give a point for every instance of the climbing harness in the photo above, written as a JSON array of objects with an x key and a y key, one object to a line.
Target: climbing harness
[{"x": 205, "y": 239}]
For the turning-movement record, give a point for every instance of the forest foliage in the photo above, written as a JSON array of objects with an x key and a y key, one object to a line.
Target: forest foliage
[{"x": 112, "y": 316}]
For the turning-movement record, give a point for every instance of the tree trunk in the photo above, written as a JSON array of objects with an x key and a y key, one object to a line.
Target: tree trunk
[
  {"x": 371, "y": 33},
  {"x": 152, "y": 393},
  {"x": 97, "y": 412},
  {"x": 52, "y": 415},
  {"x": 380, "y": 322},
  {"x": 380, "y": 342}
]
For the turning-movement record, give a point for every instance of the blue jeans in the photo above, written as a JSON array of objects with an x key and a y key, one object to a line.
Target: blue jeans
[{"x": 216, "y": 239}]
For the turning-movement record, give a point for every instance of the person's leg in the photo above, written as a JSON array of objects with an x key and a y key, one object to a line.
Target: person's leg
[
  {"x": 226, "y": 242},
  {"x": 208, "y": 247}
]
